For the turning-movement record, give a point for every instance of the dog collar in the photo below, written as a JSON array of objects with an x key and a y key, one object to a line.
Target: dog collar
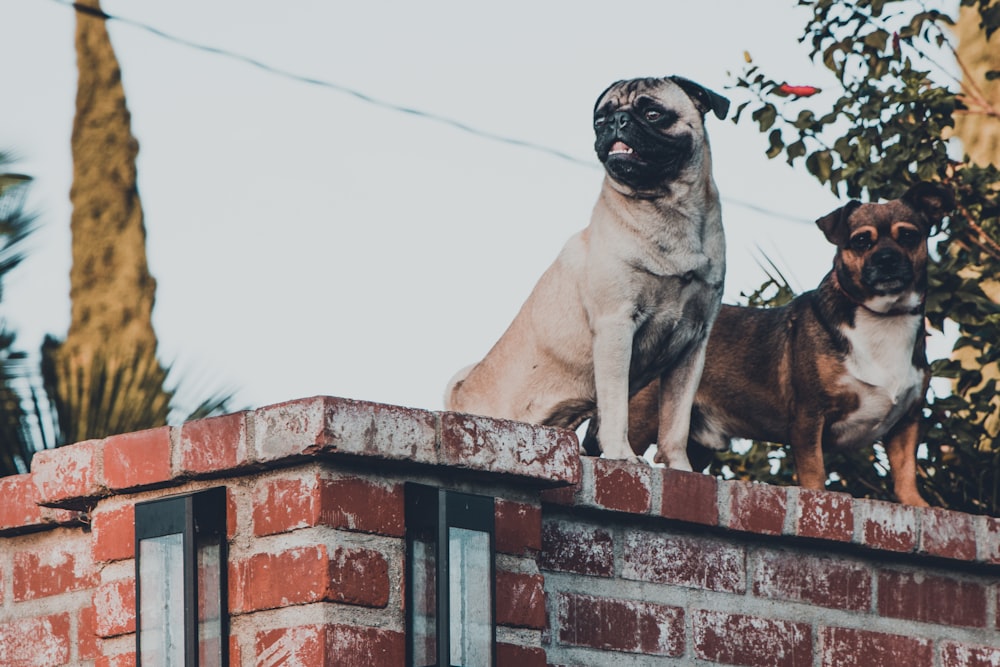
[{"x": 916, "y": 310}]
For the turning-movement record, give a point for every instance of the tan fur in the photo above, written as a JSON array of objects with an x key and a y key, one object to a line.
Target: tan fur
[{"x": 629, "y": 298}]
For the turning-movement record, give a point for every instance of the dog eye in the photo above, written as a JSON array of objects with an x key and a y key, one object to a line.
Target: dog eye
[
  {"x": 652, "y": 115},
  {"x": 909, "y": 237},
  {"x": 600, "y": 120},
  {"x": 861, "y": 242}
]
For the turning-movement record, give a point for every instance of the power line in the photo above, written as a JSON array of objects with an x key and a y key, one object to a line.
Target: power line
[{"x": 364, "y": 97}]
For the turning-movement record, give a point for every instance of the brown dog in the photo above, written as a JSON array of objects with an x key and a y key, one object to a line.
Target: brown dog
[{"x": 840, "y": 366}]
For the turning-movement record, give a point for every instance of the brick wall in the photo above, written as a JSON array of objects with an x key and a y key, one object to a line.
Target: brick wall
[
  {"x": 598, "y": 562},
  {"x": 642, "y": 562}
]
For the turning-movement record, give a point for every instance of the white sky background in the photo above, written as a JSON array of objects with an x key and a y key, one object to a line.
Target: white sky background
[{"x": 305, "y": 242}]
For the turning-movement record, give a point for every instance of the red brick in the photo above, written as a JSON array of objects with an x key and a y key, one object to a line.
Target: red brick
[
  {"x": 848, "y": 647},
  {"x": 563, "y": 495},
  {"x": 88, "y": 645},
  {"x": 513, "y": 448},
  {"x": 575, "y": 548},
  {"x": 989, "y": 549},
  {"x": 359, "y": 577},
  {"x": 757, "y": 508},
  {"x": 694, "y": 562},
  {"x": 342, "y": 645},
  {"x": 135, "y": 460},
  {"x": 291, "y": 428},
  {"x": 283, "y": 505},
  {"x": 115, "y": 605},
  {"x": 825, "y": 515},
  {"x": 369, "y": 507},
  {"x": 512, "y": 655},
  {"x": 690, "y": 496},
  {"x": 954, "y": 654},
  {"x": 825, "y": 582},
  {"x": 947, "y": 534},
  {"x": 932, "y": 599},
  {"x": 113, "y": 533},
  {"x": 69, "y": 476},
  {"x": 269, "y": 581},
  {"x": 35, "y": 642},
  {"x": 518, "y": 527},
  {"x": 51, "y": 571},
  {"x": 738, "y": 639},
  {"x": 622, "y": 485},
  {"x": 888, "y": 526},
  {"x": 629, "y": 626},
  {"x": 20, "y": 506},
  {"x": 118, "y": 660},
  {"x": 215, "y": 444},
  {"x": 520, "y": 600}
]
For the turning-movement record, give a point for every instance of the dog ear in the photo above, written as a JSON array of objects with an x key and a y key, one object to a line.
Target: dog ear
[
  {"x": 603, "y": 93},
  {"x": 705, "y": 99},
  {"x": 834, "y": 225},
  {"x": 934, "y": 200}
]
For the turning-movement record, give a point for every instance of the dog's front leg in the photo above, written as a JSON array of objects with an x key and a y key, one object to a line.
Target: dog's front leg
[
  {"x": 901, "y": 447},
  {"x": 612, "y": 359},
  {"x": 807, "y": 448},
  {"x": 677, "y": 390}
]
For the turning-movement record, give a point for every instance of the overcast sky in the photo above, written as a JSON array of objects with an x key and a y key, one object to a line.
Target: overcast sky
[{"x": 308, "y": 242}]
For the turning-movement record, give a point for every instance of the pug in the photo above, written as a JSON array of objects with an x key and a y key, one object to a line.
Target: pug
[{"x": 632, "y": 297}]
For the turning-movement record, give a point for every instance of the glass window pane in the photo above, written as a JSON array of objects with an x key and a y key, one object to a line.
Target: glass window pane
[
  {"x": 471, "y": 624},
  {"x": 424, "y": 604},
  {"x": 161, "y": 580},
  {"x": 209, "y": 604}
]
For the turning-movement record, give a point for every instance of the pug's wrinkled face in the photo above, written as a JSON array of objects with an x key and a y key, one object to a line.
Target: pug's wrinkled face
[{"x": 647, "y": 130}]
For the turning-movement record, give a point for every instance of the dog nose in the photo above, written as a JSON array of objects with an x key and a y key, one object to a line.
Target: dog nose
[
  {"x": 620, "y": 119},
  {"x": 885, "y": 259}
]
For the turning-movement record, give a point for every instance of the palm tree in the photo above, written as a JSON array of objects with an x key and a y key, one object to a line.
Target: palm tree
[{"x": 18, "y": 439}]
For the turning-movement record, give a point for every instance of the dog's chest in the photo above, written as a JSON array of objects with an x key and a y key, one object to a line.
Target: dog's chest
[{"x": 880, "y": 370}]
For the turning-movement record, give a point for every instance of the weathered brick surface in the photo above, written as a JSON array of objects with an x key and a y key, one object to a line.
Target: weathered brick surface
[
  {"x": 741, "y": 639},
  {"x": 481, "y": 443},
  {"x": 359, "y": 577},
  {"x": 518, "y": 527},
  {"x": 889, "y": 526},
  {"x": 35, "y": 642},
  {"x": 847, "y": 647},
  {"x": 757, "y": 508},
  {"x": 622, "y": 485},
  {"x": 689, "y": 496},
  {"x": 931, "y": 598},
  {"x": 113, "y": 533},
  {"x": 134, "y": 460},
  {"x": 948, "y": 534},
  {"x": 52, "y": 570},
  {"x": 117, "y": 660},
  {"x": 621, "y": 625},
  {"x": 115, "y": 605},
  {"x": 825, "y": 515},
  {"x": 353, "y": 503},
  {"x": 955, "y": 654},
  {"x": 215, "y": 444},
  {"x": 69, "y": 476},
  {"x": 284, "y": 504},
  {"x": 824, "y": 582},
  {"x": 577, "y": 548},
  {"x": 88, "y": 644},
  {"x": 512, "y": 655},
  {"x": 520, "y": 600},
  {"x": 694, "y": 562},
  {"x": 342, "y": 645}
]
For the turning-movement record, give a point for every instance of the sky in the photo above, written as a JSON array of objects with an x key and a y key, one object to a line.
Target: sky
[{"x": 307, "y": 242}]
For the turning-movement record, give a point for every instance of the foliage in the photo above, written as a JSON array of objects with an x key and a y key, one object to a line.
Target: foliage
[
  {"x": 127, "y": 394},
  {"x": 889, "y": 128}
]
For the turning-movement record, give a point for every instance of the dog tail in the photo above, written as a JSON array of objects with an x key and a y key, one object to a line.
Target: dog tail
[{"x": 453, "y": 386}]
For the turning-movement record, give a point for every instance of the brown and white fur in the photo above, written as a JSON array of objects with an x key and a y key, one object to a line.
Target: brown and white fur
[
  {"x": 632, "y": 296},
  {"x": 843, "y": 365}
]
